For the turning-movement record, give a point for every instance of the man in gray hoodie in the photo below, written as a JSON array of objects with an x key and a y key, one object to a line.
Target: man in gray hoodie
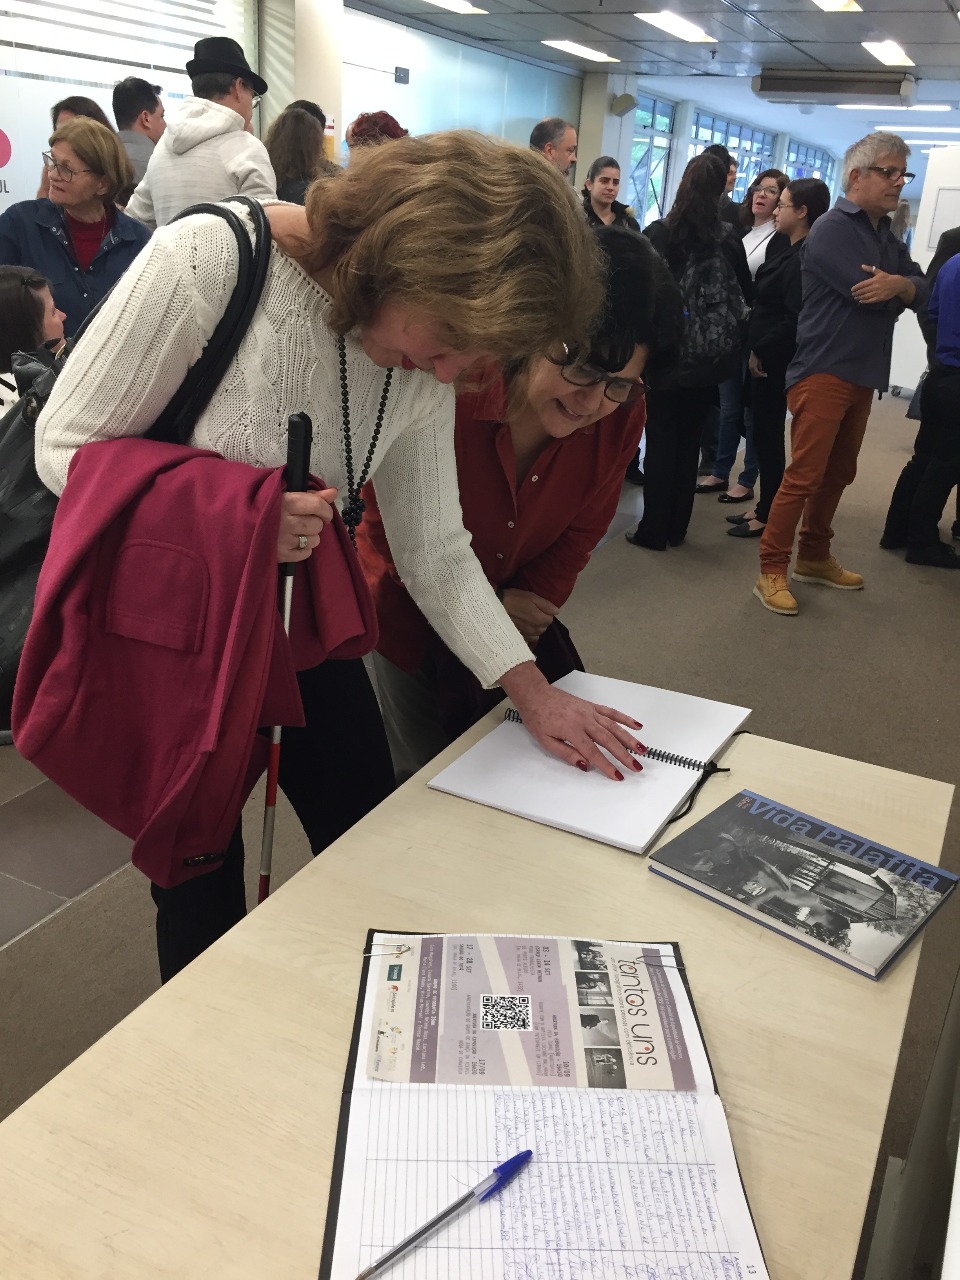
[{"x": 208, "y": 151}]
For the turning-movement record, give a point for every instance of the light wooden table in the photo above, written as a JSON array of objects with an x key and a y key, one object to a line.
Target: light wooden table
[{"x": 196, "y": 1138}]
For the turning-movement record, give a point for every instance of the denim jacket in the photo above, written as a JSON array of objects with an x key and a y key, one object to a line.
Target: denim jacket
[{"x": 33, "y": 234}]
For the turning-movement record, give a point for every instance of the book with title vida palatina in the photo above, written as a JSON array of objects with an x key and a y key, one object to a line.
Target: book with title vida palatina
[{"x": 853, "y": 899}]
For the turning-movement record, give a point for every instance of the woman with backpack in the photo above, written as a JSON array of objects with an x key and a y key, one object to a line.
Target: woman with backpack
[{"x": 708, "y": 261}]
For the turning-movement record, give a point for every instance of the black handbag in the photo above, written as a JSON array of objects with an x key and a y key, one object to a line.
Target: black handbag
[{"x": 27, "y": 507}]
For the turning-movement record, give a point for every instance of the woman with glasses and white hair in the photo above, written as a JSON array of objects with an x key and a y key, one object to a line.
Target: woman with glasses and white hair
[
  {"x": 76, "y": 238},
  {"x": 540, "y": 452}
]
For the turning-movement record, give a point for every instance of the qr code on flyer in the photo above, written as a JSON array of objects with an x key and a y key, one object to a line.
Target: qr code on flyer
[{"x": 505, "y": 1013}]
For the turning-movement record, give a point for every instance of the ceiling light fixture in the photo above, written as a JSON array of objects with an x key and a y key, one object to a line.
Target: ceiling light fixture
[
  {"x": 579, "y": 50},
  {"x": 838, "y": 6},
  {"x": 457, "y": 6},
  {"x": 917, "y": 106},
  {"x": 888, "y": 52},
  {"x": 676, "y": 26}
]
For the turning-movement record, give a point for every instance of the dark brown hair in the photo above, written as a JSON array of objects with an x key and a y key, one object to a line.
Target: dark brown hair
[
  {"x": 80, "y": 106},
  {"x": 694, "y": 219},
  {"x": 294, "y": 143},
  {"x": 21, "y": 312},
  {"x": 472, "y": 231},
  {"x": 810, "y": 194}
]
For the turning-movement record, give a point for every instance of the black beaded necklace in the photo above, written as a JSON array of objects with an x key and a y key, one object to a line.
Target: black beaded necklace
[{"x": 354, "y": 506}]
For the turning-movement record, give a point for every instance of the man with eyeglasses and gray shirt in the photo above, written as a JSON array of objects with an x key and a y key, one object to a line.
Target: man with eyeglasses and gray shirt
[
  {"x": 208, "y": 151},
  {"x": 857, "y": 279}
]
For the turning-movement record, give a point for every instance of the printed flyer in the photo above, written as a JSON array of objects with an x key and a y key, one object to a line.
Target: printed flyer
[{"x": 483, "y": 1009}]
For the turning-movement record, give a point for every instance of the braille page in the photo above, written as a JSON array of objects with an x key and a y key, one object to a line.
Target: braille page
[
  {"x": 623, "y": 1185},
  {"x": 509, "y": 770}
]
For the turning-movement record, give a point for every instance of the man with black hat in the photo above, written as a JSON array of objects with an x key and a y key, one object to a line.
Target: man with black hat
[{"x": 208, "y": 151}]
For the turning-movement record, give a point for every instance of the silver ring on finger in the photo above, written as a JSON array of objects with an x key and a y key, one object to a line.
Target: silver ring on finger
[{"x": 302, "y": 541}]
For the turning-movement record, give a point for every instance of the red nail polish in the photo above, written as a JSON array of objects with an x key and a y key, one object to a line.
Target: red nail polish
[
  {"x": 637, "y": 765},
  {"x": 582, "y": 764},
  {"x": 618, "y": 775}
]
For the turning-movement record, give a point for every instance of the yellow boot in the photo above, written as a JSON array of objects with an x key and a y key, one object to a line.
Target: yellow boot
[
  {"x": 771, "y": 590},
  {"x": 829, "y": 573}
]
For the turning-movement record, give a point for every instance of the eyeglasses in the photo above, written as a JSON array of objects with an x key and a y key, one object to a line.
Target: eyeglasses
[
  {"x": 781, "y": 205},
  {"x": 766, "y": 191},
  {"x": 892, "y": 175},
  {"x": 63, "y": 171},
  {"x": 619, "y": 390},
  {"x": 256, "y": 96}
]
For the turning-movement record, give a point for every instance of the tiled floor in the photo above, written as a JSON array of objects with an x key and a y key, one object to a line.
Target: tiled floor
[{"x": 51, "y": 850}]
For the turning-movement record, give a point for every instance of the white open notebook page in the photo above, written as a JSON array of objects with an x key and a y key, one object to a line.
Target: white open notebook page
[
  {"x": 623, "y": 1184},
  {"x": 508, "y": 770}
]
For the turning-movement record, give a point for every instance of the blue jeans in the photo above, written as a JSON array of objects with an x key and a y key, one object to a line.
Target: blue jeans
[{"x": 736, "y": 420}]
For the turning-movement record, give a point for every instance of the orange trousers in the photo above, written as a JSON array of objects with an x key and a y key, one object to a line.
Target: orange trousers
[{"x": 829, "y": 421}]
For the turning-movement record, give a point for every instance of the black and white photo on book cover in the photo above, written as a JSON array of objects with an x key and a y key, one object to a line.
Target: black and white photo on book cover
[{"x": 838, "y": 892}]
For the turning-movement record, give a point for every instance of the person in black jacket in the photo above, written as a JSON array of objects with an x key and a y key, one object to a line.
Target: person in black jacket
[
  {"x": 947, "y": 247},
  {"x": 599, "y": 196},
  {"x": 691, "y": 233},
  {"x": 923, "y": 486},
  {"x": 772, "y": 339}
]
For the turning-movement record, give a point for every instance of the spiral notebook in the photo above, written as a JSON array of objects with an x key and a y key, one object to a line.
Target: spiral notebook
[{"x": 508, "y": 770}]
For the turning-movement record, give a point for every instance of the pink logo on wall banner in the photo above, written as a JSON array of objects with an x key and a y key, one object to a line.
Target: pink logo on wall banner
[{"x": 6, "y": 149}]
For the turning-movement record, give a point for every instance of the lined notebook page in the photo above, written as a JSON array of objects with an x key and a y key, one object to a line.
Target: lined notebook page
[
  {"x": 508, "y": 770},
  {"x": 623, "y": 1185}
]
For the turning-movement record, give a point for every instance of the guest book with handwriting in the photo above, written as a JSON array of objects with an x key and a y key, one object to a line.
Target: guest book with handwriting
[
  {"x": 624, "y": 1182},
  {"x": 509, "y": 770}
]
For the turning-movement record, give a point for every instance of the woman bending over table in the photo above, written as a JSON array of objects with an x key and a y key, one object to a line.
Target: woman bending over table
[
  {"x": 367, "y": 316},
  {"x": 540, "y": 459}
]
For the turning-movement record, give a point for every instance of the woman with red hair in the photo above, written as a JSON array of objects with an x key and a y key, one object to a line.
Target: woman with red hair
[{"x": 372, "y": 127}]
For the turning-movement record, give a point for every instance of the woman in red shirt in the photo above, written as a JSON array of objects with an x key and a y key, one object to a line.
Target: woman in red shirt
[{"x": 541, "y": 453}]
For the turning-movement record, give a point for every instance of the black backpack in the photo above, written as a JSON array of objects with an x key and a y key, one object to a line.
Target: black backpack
[
  {"x": 27, "y": 507},
  {"x": 716, "y": 320}
]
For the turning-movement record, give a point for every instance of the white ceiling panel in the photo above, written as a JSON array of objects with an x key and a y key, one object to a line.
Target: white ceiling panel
[
  {"x": 892, "y": 6},
  {"x": 850, "y": 28},
  {"x": 762, "y": 9},
  {"x": 751, "y": 35},
  {"x": 942, "y": 57},
  {"x": 456, "y": 25},
  {"x": 747, "y": 28},
  {"x": 557, "y": 27}
]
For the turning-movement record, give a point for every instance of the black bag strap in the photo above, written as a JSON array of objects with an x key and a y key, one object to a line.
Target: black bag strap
[{"x": 176, "y": 422}]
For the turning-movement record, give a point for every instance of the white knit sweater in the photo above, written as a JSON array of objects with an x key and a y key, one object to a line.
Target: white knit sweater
[{"x": 154, "y": 327}]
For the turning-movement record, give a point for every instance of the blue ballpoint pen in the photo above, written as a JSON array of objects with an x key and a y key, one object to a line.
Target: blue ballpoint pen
[{"x": 490, "y": 1186}]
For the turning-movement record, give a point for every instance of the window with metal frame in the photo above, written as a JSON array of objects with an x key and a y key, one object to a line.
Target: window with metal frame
[
  {"x": 653, "y": 122},
  {"x": 804, "y": 161},
  {"x": 751, "y": 147}
]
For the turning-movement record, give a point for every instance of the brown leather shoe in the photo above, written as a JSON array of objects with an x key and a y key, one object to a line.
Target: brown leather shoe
[
  {"x": 772, "y": 592},
  {"x": 828, "y": 573}
]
